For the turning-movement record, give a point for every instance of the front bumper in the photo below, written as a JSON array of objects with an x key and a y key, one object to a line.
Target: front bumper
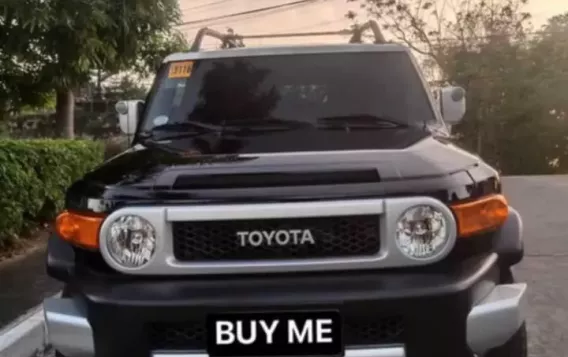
[{"x": 444, "y": 314}]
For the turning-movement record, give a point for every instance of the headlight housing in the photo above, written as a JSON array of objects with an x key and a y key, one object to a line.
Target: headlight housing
[
  {"x": 422, "y": 232},
  {"x": 131, "y": 241}
]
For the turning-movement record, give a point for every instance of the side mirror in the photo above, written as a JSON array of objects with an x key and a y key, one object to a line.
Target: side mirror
[
  {"x": 452, "y": 104},
  {"x": 128, "y": 115}
]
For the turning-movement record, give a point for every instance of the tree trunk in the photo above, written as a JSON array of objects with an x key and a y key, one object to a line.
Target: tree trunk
[
  {"x": 64, "y": 112},
  {"x": 99, "y": 95}
]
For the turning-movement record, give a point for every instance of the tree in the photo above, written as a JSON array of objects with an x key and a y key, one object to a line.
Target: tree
[
  {"x": 483, "y": 46},
  {"x": 549, "y": 58},
  {"x": 148, "y": 59},
  {"x": 429, "y": 26},
  {"x": 68, "y": 39},
  {"x": 156, "y": 49},
  {"x": 20, "y": 75}
]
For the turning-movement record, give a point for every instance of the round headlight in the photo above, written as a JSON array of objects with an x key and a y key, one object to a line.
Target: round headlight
[
  {"x": 131, "y": 241},
  {"x": 422, "y": 232}
]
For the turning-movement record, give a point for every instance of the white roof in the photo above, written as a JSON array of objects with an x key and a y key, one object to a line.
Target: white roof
[{"x": 285, "y": 50}]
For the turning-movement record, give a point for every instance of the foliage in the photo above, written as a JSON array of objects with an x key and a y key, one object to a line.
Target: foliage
[
  {"x": 20, "y": 83},
  {"x": 115, "y": 145},
  {"x": 157, "y": 48},
  {"x": 54, "y": 45},
  {"x": 34, "y": 175},
  {"x": 94, "y": 118},
  {"x": 515, "y": 82},
  {"x": 83, "y": 35},
  {"x": 125, "y": 87},
  {"x": 428, "y": 27}
]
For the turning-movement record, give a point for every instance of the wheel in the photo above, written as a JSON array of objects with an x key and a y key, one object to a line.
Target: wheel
[
  {"x": 515, "y": 347},
  {"x": 518, "y": 343}
]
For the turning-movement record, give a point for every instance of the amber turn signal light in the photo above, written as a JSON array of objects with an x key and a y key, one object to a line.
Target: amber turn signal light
[
  {"x": 79, "y": 230},
  {"x": 481, "y": 215}
]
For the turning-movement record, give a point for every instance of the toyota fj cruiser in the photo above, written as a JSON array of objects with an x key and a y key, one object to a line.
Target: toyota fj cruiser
[{"x": 289, "y": 201}]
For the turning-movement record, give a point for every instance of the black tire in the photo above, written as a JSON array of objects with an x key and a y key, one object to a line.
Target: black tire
[
  {"x": 506, "y": 276},
  {"x": 51, "y": 352},
  {"x": 518, "y": 344},
  {"x": 66, "y": 292}
]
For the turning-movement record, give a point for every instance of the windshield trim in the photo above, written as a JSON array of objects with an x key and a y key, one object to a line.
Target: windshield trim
[
  {"x": 438, "y": 126},
  {"x": 434, "y": 124},
  {"x": 145, "y": 107}
]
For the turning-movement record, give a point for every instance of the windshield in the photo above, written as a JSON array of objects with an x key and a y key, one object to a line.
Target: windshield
[{"x": 290, "y": 91}]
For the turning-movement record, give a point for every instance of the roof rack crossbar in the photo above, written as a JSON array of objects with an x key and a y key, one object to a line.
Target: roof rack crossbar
[
  {"x": 371, "y": 25},
  {"x": 229, "y": 40},
  {"x": 299, "y": 34},
  {"x": 232, "y": 40}
]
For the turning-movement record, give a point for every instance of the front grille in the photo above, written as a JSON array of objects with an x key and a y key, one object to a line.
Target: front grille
[
  {"x": 359, "y": 331},
  {"x": 333, "y": 236}
]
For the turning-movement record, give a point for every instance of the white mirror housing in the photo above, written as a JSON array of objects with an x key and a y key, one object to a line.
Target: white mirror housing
[
  {"x": 128, "y": 115},
  {"x": 452, "y": 104}
]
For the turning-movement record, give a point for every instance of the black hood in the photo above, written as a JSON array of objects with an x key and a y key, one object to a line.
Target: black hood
[
  {"x": 205, "y": 155},
  {"x": 158, "y": 168},
  {"x": 147, "y": 175}
]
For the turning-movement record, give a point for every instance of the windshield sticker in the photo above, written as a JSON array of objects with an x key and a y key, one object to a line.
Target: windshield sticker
[
  {"x": 180, "y": 69},
  {"x": 160, "y": 120}
]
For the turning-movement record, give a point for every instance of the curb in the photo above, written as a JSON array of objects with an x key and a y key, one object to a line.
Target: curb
[{"x": 25, "y": 336}]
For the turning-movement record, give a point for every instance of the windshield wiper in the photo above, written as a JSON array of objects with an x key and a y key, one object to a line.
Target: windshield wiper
[
  {"x": 198, "y": 128},
  {"x": 148, "y": 141},
  {"x": 181, "y": 130},
  {"x": 272, "y": 124},
  {"x": 362, "y": 121}
]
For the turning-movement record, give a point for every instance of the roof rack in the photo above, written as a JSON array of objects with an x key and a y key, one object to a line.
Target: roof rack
[{"x": 232, "y": 40}]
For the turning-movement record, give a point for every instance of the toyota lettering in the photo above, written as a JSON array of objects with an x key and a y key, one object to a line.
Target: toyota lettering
[{"x": 280, "y": 237}]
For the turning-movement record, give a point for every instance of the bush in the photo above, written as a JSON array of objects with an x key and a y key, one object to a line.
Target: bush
[
  {"x": 116, "y": 145},
  {"x": 34, "y": 175}
]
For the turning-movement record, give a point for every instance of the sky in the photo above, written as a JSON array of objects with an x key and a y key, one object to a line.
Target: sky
[{"x": 321, "y": 15}]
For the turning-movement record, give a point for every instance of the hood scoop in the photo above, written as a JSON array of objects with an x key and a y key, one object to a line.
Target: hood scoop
[{"x": 276, "y": 179}]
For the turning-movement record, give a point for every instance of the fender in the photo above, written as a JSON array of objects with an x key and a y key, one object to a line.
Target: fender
[
  {"x": 509, "y": 243},
  {"x": 60, "y": 259}
]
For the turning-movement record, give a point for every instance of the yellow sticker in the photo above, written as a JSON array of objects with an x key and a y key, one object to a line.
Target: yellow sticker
[{"x": 180, "y": 69}]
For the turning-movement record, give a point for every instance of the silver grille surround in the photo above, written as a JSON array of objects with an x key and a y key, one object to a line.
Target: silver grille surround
[{"x": 388, "y": 212}]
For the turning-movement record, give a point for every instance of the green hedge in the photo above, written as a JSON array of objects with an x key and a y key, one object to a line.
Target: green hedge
[{"x": 34, "y": 175}]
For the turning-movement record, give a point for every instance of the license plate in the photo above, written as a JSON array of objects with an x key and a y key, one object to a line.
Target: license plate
[{"x": 275, "y": 334}]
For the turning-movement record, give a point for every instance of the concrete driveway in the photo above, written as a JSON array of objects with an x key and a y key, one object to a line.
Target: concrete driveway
[{"x": 543, "y": 203}]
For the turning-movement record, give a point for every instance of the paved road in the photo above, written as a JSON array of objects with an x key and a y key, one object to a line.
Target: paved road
[
  {"x": 23, "y": 285},
  {"x": 543, "y": 202}
]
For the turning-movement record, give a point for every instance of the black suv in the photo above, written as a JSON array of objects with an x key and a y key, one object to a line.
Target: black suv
[{"x": 289, "y": 201}]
